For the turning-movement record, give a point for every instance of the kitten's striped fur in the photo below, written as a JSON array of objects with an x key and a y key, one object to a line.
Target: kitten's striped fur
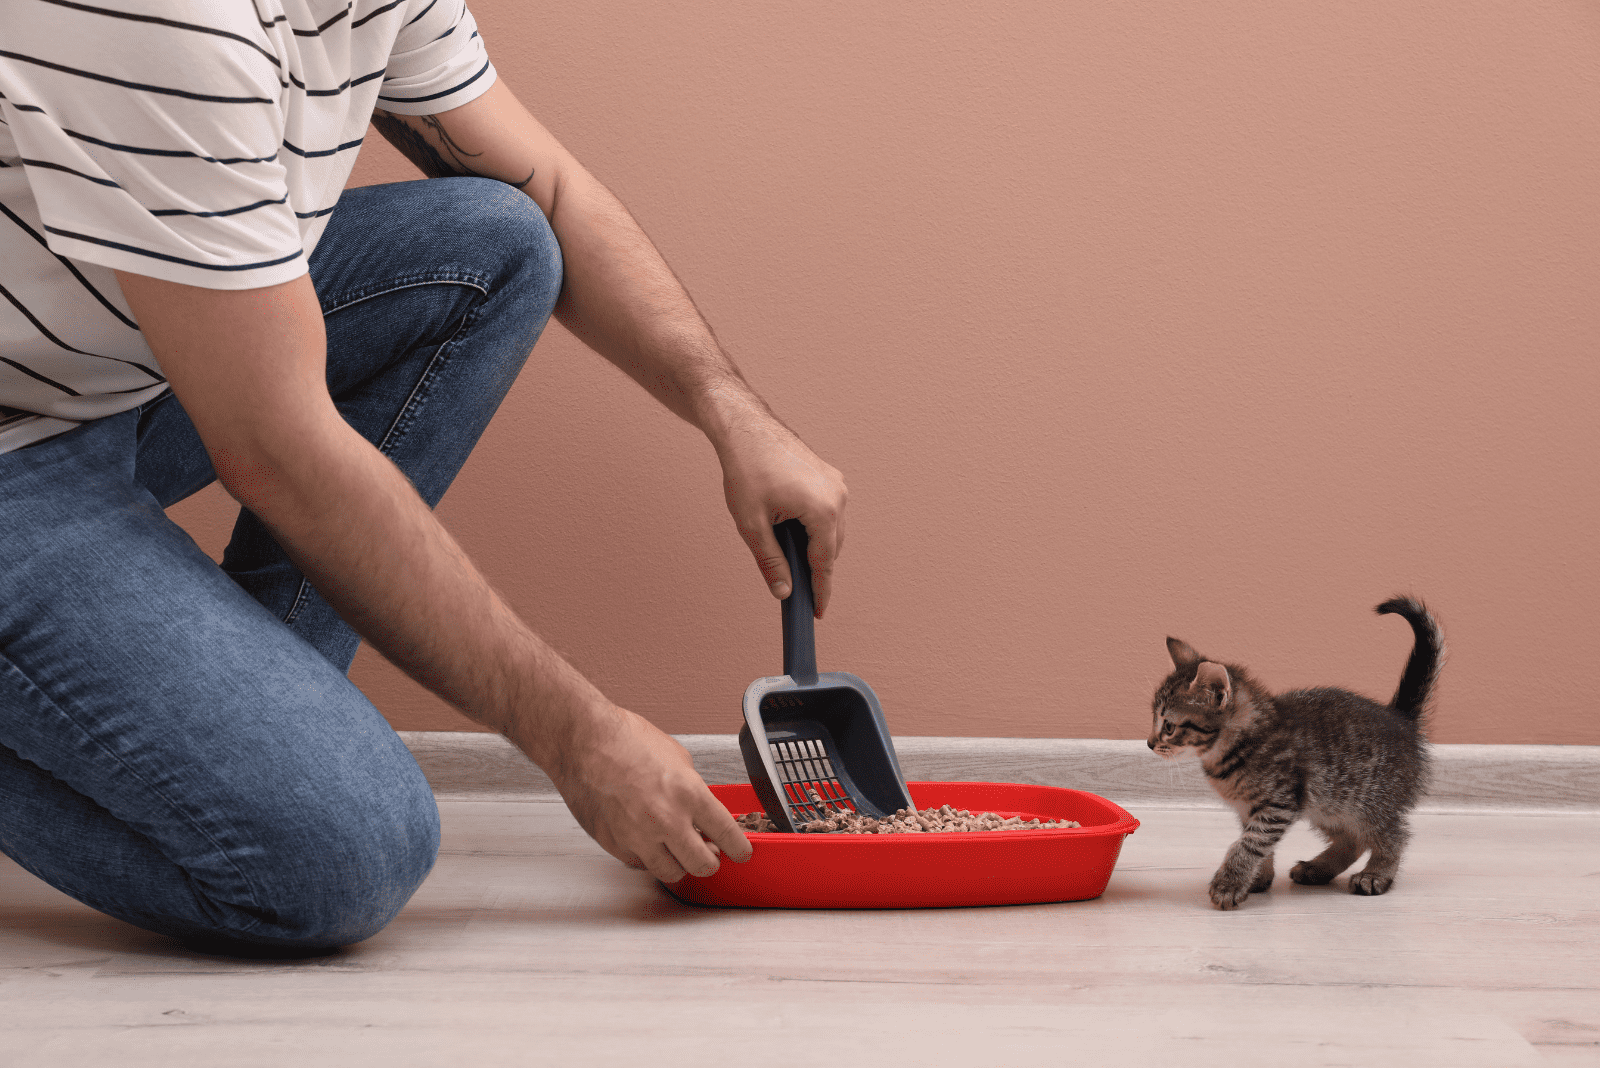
[{"x": 1352, "y": 767}]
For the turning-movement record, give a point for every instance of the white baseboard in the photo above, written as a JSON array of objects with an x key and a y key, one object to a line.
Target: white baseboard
[{"x": 467, "y": 766}]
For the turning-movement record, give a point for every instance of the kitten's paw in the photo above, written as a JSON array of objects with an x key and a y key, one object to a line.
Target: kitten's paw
[
  {"x": 1307, "y": 874},
  {"x": 1226, "y": 894},
  {"x": 1370, "y": 885},
  {"x": 1262, "y": 882}
]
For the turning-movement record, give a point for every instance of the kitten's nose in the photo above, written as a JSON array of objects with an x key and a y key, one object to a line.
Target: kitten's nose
[{"x": 1151, "y": 743}]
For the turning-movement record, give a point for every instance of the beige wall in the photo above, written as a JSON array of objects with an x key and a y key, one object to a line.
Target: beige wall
[{"x": 1221, "y": 320}]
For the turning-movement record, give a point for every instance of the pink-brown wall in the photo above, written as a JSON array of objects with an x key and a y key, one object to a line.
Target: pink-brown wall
[{"x": 1221, "y": 320}]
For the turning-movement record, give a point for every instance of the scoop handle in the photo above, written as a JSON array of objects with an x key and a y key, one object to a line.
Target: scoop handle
[{"x": 799, "y": 608}]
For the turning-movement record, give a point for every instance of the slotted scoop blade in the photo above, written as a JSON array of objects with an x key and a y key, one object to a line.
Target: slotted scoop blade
[{"x": 809, "y": 733}]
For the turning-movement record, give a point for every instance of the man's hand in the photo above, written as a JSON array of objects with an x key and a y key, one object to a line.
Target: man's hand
[
  {"x": 635, "y": 790},
  {"x": 770, "y": 475}
]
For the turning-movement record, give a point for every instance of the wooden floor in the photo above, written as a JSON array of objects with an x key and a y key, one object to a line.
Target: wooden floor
[{"x": 530, "y": 946}]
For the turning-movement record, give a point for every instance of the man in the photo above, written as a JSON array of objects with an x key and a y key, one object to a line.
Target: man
[{"x": 179, "y": 746}]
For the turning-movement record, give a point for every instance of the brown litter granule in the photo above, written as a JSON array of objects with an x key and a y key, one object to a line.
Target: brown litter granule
[{"x": 843, "y": 820}]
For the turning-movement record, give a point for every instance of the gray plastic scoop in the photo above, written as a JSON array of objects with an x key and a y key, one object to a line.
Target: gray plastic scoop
[{"x": 806, "y": 732}]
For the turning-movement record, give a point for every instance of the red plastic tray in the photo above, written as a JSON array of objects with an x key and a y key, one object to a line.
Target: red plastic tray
[{"x": 910, "y": 871}]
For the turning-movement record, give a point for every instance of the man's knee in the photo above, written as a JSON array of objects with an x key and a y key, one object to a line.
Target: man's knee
[
  {"x": 335, "y": 877},
  {"x": 502, "y": 218}
]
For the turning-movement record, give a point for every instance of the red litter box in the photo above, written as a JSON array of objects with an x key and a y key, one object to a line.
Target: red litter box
[
  {"x": 931, "y": 870},
  {"x": 816, "y": 743}
]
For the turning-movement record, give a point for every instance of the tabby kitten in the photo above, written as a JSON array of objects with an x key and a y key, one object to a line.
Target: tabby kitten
[{"x": 1352, "y": 767}]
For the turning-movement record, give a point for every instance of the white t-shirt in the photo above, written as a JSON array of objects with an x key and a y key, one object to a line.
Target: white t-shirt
[{"x": 197, "y": 141}]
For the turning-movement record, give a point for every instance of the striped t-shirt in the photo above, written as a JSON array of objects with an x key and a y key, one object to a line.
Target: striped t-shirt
[{"x": 197, "y": 141}]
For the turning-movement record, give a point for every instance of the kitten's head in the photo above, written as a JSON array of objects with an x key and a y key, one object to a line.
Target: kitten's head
[{"x": 1191, "y": 706}]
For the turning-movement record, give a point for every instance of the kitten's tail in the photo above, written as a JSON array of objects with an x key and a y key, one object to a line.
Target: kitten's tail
[{"x": 1427, "y": 656}]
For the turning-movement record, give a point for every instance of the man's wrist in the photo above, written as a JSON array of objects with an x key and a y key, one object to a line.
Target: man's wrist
[
  {"x": 728, "y": 412},
  {"x": 563, "y": 745},
  {"x": 551, "y": 711}
]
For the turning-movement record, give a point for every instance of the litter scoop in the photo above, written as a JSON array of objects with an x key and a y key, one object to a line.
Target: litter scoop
[{"x": 810, "y": 735}]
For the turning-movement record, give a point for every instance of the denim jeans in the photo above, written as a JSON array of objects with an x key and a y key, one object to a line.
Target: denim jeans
[{"x": 180, "y": 746}]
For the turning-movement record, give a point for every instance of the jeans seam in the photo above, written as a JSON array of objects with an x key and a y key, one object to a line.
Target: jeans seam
[
  {"x": 420, "y": 391},
  {"x": 449, "y": 278},
  {"x": 255, "y": 897},
  {"x": 301, "y": 595}
]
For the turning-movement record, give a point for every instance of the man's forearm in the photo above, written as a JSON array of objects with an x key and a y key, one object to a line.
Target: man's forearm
[
  {"x": 249, "y": 368},
  {"x": 622, "y": 299},
  {"x": 352, "y": 522}
]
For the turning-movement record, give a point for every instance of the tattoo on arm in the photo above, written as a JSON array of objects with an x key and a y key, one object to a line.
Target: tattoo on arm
[{"x": 403, "y": 136}]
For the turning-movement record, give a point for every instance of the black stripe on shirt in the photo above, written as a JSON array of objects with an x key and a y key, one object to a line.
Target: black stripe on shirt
[
  {"x": 424, "y": 11},
  {"x": 47, "y": 165},
  {"x": 369, "y": 16},
  {"x": 319, "y": 213},
  {"x": 69, "y": 265},
  {"x": 226, "y": 211},
  {"x": 318, "y": 31},
  {"x": 138, "y": 150},
  {"x": 142, "y": 87},
  {"x": 436, "y": 96},
  {"x": 167, "y": 22},
  {"x": 37, "y": 325},
  {"x": 298, "y": 84},
  {"x": 296, "y": 149},
  {"x": 314, "y": 153},
  {"x": 176, "y": 153},
  {"x": 265, "y": 25},
  {"x": 173, "y": 259},
  {"x": 31, "y": 373}
]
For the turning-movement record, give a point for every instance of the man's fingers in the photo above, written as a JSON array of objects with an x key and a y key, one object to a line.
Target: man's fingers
[
  {"x": 821, "y": 551},
  {"x": 692, "y": 848},
  {"x": 641, "y": 800},
  {"x": 693, "y": 853},
  {"x": 718, "y": 825},
  {"x": 764, "y": 547},
  {"x": 712, "y": 828},
  {"x": 664, "y": 865}
]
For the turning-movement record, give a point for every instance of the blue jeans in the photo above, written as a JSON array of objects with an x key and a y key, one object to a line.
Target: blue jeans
[{"x": 179, "y": 744}]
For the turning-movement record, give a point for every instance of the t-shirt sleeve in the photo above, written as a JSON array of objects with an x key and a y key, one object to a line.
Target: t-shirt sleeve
[
  {"x": 439, "y": 61},
  {"x": 154, "y": 149}
]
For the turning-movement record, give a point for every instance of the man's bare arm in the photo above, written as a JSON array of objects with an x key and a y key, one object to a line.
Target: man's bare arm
[
  {"x": 248, "y": 367},
  {"x": 622, "y": 299}
]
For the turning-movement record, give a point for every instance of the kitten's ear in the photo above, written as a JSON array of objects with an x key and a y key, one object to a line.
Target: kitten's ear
[
  {"x": 1182, "y": 653},
  {"x": 1213, "y": 677}
]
